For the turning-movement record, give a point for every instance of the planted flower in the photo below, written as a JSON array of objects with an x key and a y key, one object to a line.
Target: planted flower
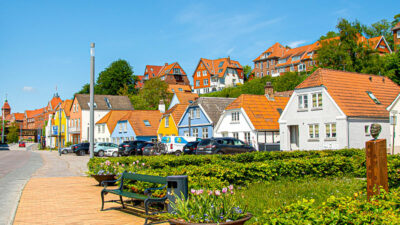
[{"x": 208, "y": 207}]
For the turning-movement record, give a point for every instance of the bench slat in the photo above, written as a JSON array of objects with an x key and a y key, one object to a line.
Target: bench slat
[
  {"x": 144, "y": 178},
  {"x": 130, "y": 194}
]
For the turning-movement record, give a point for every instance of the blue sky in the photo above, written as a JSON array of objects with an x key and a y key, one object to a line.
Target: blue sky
[{"x": 44, "y": 44}]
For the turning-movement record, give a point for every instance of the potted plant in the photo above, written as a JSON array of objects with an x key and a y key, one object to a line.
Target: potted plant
[{"x": 208, "y": 207}]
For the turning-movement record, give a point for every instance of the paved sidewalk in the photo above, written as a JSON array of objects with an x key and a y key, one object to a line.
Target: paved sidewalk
[{"x": 69, "y": 200}]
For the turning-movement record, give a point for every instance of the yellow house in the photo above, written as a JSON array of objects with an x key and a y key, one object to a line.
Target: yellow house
[
  {"x": 169, "y": 121},
  {"x": 64, "y": 108}
]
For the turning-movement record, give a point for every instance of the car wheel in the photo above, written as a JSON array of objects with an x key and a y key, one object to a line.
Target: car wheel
[
  {"x": 132, "y": 153},
  {"x": 65, "y": 152},
  {"x": 82, "y": 152},
  {"x": 115, "y": 154},
  {"x": 100, "y": 153},
  {"x": 178, "y": 153}
]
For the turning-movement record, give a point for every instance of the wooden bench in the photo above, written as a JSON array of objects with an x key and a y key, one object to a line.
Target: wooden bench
[{"x": 146, "y": 197}]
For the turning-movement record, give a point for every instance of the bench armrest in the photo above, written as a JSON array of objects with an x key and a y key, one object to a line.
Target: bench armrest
[
  {"x": 104, "y": 183},
  {"x": 149, "y": 190}
]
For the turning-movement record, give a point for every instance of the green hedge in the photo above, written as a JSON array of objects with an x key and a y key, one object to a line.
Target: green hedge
[{"x": 383, "y": 209}]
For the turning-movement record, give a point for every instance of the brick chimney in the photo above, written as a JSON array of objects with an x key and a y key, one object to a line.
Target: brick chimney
[
  {"x": 166, "y": 64},
  {"x": 396, "y": 36},
  {"x": 269, "y": 91}
]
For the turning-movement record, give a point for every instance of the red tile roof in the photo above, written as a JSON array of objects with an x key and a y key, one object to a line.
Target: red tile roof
[
  {"x": 275, "y": 51},
  {"x": 137, "y": 117},
  {"x": 262, "y": 112},
  {"x": 166, "y": 69},
  {"x": 176, "y": 111},
  {"x": 152, "y": 70},
  {"x": 174, "y": 88},
  {"x": 33, "y": 113},
  {"x": 214, "y": 68},
  {"x": 349, "y": 90},
  {"x": 185, "y": 97},
  {"x": 112, "y": 118},
  {"x": 67, "y": 106},
  {"x": 55, "y": 101},
  {"x": 18, "y": 116},
  {"x": 6, "y": 105}
]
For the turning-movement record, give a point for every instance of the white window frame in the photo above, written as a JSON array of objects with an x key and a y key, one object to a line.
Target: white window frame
[
  {"x": 204, "y": 73},
  {"x": 103, "y": 128},
  {"x": 398, "y": 34},
  {"x": 198, "y": 113},
  {"x": 302, "y": 101},
  {"x": 235, "y": 117},
  {"x": 191, "y": 111},
  {"x": 205, "y": 82},
  {"x": 120, "y": 127},
  {"x": 197, "y": 83},
  {"x": 313, "y": 131},
  {"x": 317, "y": 104},
  {"x": 235, "y": 135},
  {"x": 195, "y": 132},
  {"x": 329, "y": 127},
  {"x": 198, "y": 73},
  {"x": 126, "y": 127},
  {"x": 167, "y": 121},
  {"x": 204, "y": 132},
  {"x": 247, "y": 138}
]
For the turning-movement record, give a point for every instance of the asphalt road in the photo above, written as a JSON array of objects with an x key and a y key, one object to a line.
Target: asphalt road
[{"x": 16, "y": 167}]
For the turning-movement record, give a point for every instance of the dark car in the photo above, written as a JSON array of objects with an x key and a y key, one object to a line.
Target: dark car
[
  {"x": 81, "y": 149},
  {"x": 190, "y": 147},
  {"x": 129, "y": 148},
  {"x": 225, "y": 145},
  {"x": 147, "y": 148},
  {"x": 67, "y": 150}
]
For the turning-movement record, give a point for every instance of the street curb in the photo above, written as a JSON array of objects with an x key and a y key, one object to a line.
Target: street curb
[{"x": 18, "y": 201}]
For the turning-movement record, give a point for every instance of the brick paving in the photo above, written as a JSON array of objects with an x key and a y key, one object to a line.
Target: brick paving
[{"x": 69, "y": 200}]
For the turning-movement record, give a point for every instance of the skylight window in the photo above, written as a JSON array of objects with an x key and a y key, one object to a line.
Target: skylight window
[
  {"x": 107, "y": 102},
  {"x": 147, "y": 123},
  {"x": 280, "y": 111},
  {"x": 372, "y": 96},
  {"x": 220, "y": 70},
  {"x": 221, "y": 64}
]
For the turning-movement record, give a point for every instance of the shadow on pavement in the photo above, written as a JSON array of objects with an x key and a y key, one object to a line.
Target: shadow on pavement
[{"x": 4, "y": 147}]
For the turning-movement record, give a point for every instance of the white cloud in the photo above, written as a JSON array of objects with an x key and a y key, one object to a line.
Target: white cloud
[
  {"x": 295, "y": 44},
  {"x": 28, "y": 89}
]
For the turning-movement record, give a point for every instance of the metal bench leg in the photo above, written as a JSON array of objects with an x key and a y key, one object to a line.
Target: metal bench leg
[
  {"x": 122, "y": 202},
  {"x": 146, "y": 207},
  {"x": 102, "y": 200}
]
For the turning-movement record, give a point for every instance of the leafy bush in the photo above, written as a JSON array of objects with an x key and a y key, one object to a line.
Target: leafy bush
[{"x": 382, "y": 209}]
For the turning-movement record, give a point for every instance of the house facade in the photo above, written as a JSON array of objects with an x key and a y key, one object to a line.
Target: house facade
[
  {"x": 106, "y": 125},
  {"x": 215, "y": 74},
  {"x": 396, "y": 36},
  {"x": 201, "y": 116},
  {"x": 137, "y": 125},
  {"x": 335, "y": 109},
  {"x": 394, "y": 112},
  {"x": 80, "y": 112},
  {"x": 279, "y": 59},
  {"x": 169, "y": 121},
  {"x": 253, "y": 119}
]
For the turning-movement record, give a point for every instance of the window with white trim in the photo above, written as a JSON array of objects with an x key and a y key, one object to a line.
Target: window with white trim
[
  {"x": 205, "y": 81},
  {"x": 126, "y": 127},
  {"x": 235, "y": 116},
  {"x": 198, "y": 73},
  {"x": 295, "y": 58},
  {"x": 120, "y": 127},
  {"x": 317, "y": 100},
  {"x": 247, "y": 137},
  {"x": 191, "y": 111},
  {"x": 313, "y": 131},
  {"x": 204, "y": 73},
  {"x": 366, "y": 130},
  {"x": 197, "y": 83},
  {"x": 330, "y": 130},
  {"x": 198, "y": 113},
  {"x": 398, "y": 34},
  {"x": 205, "y": 132},
  {"x": 195, "y": 132},
  {"x": 236, "y": 135},
  {"x": 167, "y": 121},
  {"x": 98, "y": 128},
  {"x": 303, "y": 101}
]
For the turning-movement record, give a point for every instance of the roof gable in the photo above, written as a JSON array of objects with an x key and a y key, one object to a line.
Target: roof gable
[
  {"x": 213, "y": 107},
  {"x": 136, "y": 119},
  {"x": 219, "y": 66},
  {"x": 112, "y": 118}
]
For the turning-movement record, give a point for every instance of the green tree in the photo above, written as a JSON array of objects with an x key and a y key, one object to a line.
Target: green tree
[
  {"x": 12, "y": 135},
  {"x": 150, "y": 95},
  {"x": 380, "y": 28},
  {"x": 246, "y": 72},
  {"x": 85, "y": 89},
  {"x": 330, "y": 34},
  {"x": 392, "y": 66},
  {"x": 118, "y": 74},
  {"x": 288, "y": 81}
]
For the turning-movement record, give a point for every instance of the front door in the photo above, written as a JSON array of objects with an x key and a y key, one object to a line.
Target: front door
[{"x": 294, "y": 137}]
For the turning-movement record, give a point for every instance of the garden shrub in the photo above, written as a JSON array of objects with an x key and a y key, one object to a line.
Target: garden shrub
[{"x": 382, "y": 209}]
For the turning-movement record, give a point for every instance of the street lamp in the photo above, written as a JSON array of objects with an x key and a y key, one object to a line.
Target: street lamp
[
  {"x": 91, "y": 132},
  {"x": 393, "y": 120}
]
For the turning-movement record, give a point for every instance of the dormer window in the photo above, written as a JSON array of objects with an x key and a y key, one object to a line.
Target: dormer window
[
  {"x": 220, "y": 70},
  {"x": 221, "y": 64},
  {"x": 146, "y": 123},
  {"x": 296, "y": 58},
  {"x": 282, "y": 60},
  {"x": 177, "y": 71},
  {"x": 372, "y": 96},
  {"x": 310, "y": 54}
]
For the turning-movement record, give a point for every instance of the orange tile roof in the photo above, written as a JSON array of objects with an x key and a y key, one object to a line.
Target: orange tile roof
[
  {"x": 176, "y": 111},
  {"x": 33, "y": 113},
  {"x": 185, "y": 97},
  {"x": 153, "y": 70},
  {"x": 213, "y": 67},
  {"x": 185, "y": 88},
  {"x": 55, "y": 101},
  {"x": 275, "y": 51},
  {"x": 262, "y": 112},
  {"x": 166, "y": 69},
  {"x": 67, "y": 106},
  {"x": 349, "y": 90},
  {"x": 136, "y": 119},
  {"x": 112, "y": 118},
  {"x": 19, "y": 116}
]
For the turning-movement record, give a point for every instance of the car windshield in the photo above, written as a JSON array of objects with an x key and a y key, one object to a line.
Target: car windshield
[{"x": 205, "y": 142}]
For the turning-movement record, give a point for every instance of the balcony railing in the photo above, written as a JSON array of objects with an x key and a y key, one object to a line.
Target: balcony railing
[{"x": 74, "y": 130}]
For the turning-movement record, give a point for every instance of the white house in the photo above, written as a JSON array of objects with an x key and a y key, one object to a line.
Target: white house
[
  {"x": 394, "y": 110},
  {"x": 106, "y": 125},
  {"x": 334, "y": 109},
  {"x": 253, "y": 119}
]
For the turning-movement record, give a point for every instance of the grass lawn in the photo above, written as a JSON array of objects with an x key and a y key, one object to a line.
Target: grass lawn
[{"x": 260, "y": 196}]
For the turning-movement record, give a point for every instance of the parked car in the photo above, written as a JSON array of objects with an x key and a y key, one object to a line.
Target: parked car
[
  {"x": 190, "y": 148},
  {"x": 175, "y": 144},
  {"x": 81, "y": 149},
  {"x": 111, "y": 152},
  {"x": 100, "y": 148},
  {"x": 67, "y": 150},
  {"x": 154, "y": 149},
  {"x": 225, "y": 145},
  {"x": 22, "y": 144},
  {"x": 129, "y": 147}
]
